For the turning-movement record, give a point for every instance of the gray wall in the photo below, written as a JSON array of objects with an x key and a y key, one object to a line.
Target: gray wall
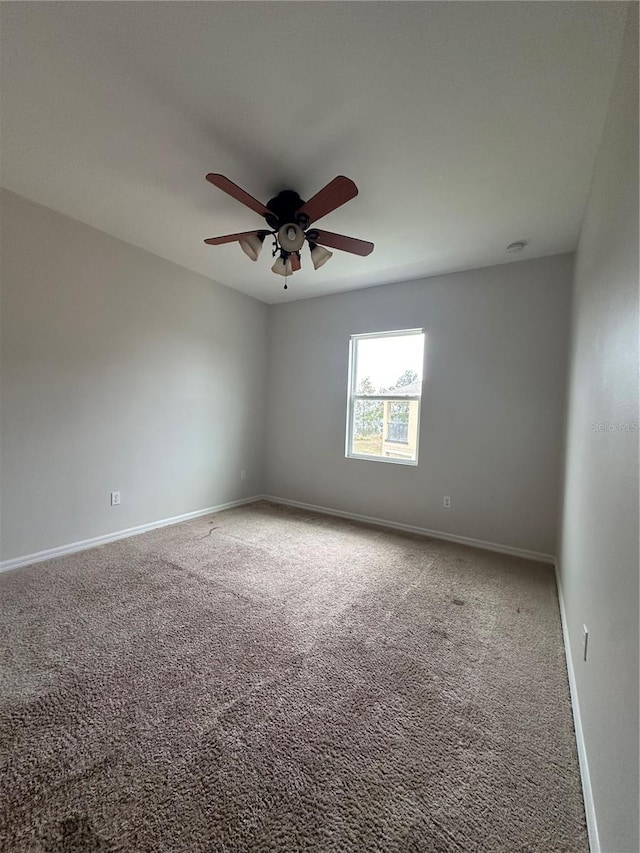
[
  {"x": 599, "y": 552},
  {"x": 493, "y": 409},
  {"x": 119, "y": 371}
]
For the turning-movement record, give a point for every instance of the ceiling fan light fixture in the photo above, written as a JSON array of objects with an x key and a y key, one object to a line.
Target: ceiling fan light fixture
[
  {"x": 319, "y": 255},
  {"x": 288, "y": 218},
  {"x": 282, "y": 266},
  {"x": 252, "y": 245},
  {"x": 291, "y": 237}
]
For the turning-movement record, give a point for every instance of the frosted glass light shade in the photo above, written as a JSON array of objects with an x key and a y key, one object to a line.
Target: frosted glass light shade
[
  {"x": 291, "y": 237},
  {"x": 282, "y": 267},
  {"x": 252, "y": 245},
  {"x": 319, "y": 256}
]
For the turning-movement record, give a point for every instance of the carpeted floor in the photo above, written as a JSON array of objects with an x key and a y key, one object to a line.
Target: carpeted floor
[{"x": 267, "y": 679}]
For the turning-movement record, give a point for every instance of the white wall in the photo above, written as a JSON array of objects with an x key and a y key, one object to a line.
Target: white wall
[
  {"x": 493, "y": 410},
  {"x": 599, "y": 548},
  {"x": 119, "y": 371}
]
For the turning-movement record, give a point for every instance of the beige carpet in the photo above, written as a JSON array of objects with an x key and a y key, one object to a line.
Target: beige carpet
[{"x": 271, "y": 680}]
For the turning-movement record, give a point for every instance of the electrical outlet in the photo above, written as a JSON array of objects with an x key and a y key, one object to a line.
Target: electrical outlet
[
  {"x": 243, "y": 474},
  {"x": 446, "y": 503},
  {"x": 585, "y": 642},
  {"x": 115, "y": 499}
]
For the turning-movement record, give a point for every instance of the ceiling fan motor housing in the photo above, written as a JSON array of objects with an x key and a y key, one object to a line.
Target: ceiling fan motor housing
[{"x": 283, "y": 208}]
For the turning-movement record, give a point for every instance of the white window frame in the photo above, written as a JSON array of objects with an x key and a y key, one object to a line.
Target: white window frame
[{"x": 352, "y": 396}]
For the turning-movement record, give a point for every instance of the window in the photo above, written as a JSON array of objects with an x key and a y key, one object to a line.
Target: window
[{"x": 385, "y": 389}]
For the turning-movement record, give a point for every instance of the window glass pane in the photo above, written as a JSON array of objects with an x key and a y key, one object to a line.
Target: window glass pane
[
  {"x": 398, "y": 423},
  {"x": 367, "y": 427},
  {"x": 389, "y": 365},
  {"x": 385, "y": 429}
]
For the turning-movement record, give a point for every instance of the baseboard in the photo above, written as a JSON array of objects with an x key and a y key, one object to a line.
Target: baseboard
[
  {"x": 73, "y": 547},
  {"x": 589, "y": 804},
  {"x": 422, "y": 531},
  {"x": 85, "y": 544}
]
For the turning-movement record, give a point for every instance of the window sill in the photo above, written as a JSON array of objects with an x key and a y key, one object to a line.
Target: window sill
[{"x": 411, "y": 462}]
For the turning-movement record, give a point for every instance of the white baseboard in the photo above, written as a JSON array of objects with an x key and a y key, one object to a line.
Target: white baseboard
[
  {"x": 422, "y": 531},
  {"x": 85, "y": 544},
  {"x": 94, "y": 542},
  {"x": 589, "y": 804}
]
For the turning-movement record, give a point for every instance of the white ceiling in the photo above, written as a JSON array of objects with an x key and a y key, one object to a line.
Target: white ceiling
[{"x": 466, "y": 126}]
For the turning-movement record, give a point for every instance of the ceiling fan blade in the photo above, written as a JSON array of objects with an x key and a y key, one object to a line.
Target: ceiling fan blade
[
  {"x": 336, "y": 193},
  {"x": 295, "y": 261},
  {"x": 339, "y": 241},
  {"x": 237, "y": 192},
  {"x": 231, "y": 238}
]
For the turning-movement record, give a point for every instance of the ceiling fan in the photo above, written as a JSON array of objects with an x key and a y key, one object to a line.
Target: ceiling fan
[{"x": 289, "y": 219}]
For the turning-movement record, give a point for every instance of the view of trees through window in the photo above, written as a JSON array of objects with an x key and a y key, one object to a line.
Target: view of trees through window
[
  {"x": 381, "y": 426},
  {"x": 369, "y": 413}
]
